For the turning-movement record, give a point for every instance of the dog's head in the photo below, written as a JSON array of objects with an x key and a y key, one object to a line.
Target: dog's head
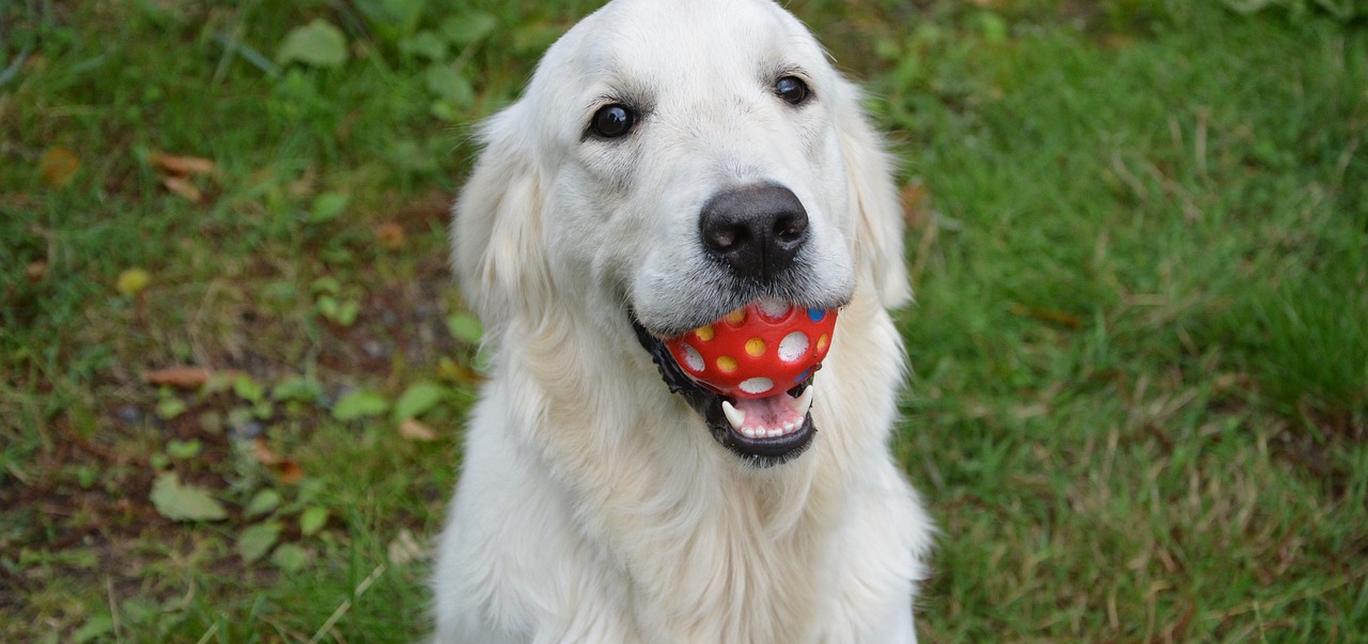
[{"x": 674, "y": 160}]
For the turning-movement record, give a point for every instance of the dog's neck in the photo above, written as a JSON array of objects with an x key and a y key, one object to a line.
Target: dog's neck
[
  {"x": 652, "y": 490},
  {"x": 600, "y": 403}
]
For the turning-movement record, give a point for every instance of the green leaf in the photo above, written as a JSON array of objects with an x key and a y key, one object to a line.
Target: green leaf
[
  {"x": 180, "y": 502},
  {"x": 328, "y": 206},
  {"x": 298, "y": 389},
  {"x": 465, "y": 327},
  {"x": 326, "y": 284},
  {"x": 360, "y": 404},
  {"x": 424, "y": 44},
  {"x": 290, "y": 557},
  {"x": 313, "y": 520},
  {"x": 248, "y": 389},
  {"x": 94, "y": 628},
  {"x": 446, "y": 83},
  {"x": 182, "y": 450},
  {"x": 469, "y": 28},
  {"x": 263, "y": 502},
  {"x": 317, "y": 44},
  {"x": 394, "y": 17},
  {"x": 169, "y": 408},
  {"x": 417, "y": 400},
  {"x": 256, "y": 541}
]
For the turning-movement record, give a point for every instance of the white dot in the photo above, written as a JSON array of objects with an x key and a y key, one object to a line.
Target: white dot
[
  {"x": 774, "y": 309},
  {"x": 691, "y": 358},
  {"x": 793, "y": 346},
  {"x": 757, "y": 385}
]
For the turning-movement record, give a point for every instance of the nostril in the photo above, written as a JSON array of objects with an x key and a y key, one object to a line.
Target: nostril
[
  {"x": 725, "y": 238},
  {"x": 789, "y": 228}
]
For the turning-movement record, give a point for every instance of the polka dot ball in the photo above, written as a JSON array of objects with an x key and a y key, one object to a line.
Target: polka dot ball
[{"x": 757, "y": 351}]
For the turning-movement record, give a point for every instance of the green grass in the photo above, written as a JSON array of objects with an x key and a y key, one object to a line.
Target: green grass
[{"x": 1140, "y": 393}]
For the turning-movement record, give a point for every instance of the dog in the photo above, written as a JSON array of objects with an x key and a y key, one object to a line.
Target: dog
[{"x": 671, "y": 161}]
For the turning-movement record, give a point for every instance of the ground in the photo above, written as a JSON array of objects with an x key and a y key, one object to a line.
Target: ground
[{"x": 1139, "y": 392}]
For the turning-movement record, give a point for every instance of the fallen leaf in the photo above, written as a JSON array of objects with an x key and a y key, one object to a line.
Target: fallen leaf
[
  {"x": 58, "y": 166},
  {"x": 257, "y": 540},
  {"x": 404, "y": 548},
  {"x": 289, "y": 472},
  {"x": 263, "y": 453},
  {"x": 359, "y": 404},
  {"x": 169, "y": 408},
  {"x": 328, "y": 206},
  {"x": 183, "y": 188},
  {"x": 465, "y": 327},
  {"x": 915, "y": 200},
  {"x": 180, "y": 502},
  {"x": 36, "y": 271},
  {"x": 416, "y": 431},
  {"x": 417, "y": 400},
  {"x": 390, "y": 236},
  {"x": 1062, "y": 318},
  {"x": 291, "y": 557},
  {"x": 312, "y": 520},
  {"x": 183, "y": 450},
  {"x": 263, "y": 502},
  {"x": 317, "y": 44},
  {"x": 132, "y": 281},
  {"x": 188, "y": 378},
  {"x": 183, "y": 165}
]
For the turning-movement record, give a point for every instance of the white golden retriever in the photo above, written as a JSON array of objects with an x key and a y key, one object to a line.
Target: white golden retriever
[{"x": 670, "y": 161}]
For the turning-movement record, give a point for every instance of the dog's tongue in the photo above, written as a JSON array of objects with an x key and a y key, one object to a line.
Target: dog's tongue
[{"x": 770, "y": 412}]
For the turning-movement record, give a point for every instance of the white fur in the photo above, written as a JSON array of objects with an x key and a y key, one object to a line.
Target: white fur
[{"x": 594, "y": 505}]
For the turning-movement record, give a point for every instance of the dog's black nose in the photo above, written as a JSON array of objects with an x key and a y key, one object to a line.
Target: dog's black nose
[{"x": 757, "y": 230}]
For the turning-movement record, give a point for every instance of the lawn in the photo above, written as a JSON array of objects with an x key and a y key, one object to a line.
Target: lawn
[{"x": 1138, "y": 232}]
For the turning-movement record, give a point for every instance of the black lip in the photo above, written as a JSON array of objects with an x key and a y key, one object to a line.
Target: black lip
[{"x": 761, "y": 452}]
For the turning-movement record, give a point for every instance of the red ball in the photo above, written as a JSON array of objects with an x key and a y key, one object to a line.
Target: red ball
[{"x": 757, "y": 351}]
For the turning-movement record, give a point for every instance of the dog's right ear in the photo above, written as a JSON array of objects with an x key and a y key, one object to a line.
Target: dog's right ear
[{"x": 497, "y": 240}]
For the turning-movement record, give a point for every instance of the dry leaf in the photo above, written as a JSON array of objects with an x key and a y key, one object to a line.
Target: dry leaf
[
  {"x": 188, "y": 378},
  {"x": 263, "y": 452},
  {"x": 1062, "y": 318},
  {"x": 390, "y": 235},
  {"x": 289, "y": 472},
  {"x": 58, "y": 166},
  {"x": 132, "y": 281},
  {"x": 405, "y": 548},
  {"x": 36, "y": 271},
  {"x": 416, "y": 431},
  {"x": 183, "y": 166},
  {"x": 915, "y": 204},
  {"x": 184, "y": 188}
]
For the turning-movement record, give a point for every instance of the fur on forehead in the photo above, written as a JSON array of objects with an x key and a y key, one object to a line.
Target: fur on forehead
[{"x": 636, "y": 50}]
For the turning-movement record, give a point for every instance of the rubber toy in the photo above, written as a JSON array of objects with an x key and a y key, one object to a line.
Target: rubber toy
[{"x": 757, "y": 351}]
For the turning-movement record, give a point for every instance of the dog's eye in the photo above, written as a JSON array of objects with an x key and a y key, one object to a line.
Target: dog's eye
[
  {"x": 792, "y": 89},
  {"x": 613, "y": 121}
]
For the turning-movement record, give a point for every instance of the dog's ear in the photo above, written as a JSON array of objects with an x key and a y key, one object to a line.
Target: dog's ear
[
  {"x": 873, "y": 200},
  {"x": 497, "y": 240}
]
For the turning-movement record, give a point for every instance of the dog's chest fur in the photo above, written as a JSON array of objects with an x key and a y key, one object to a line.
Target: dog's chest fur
[{"x": 605, "y": 511}]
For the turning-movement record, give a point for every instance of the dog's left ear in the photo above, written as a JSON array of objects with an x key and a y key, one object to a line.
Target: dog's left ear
[{"x": 873, "y": 199}]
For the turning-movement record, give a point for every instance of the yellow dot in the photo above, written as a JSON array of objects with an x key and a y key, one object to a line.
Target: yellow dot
[
  {"x": 755, "y": 347},
  {"x": 736, "y": 317},
  {"x": 705, "y": 333},
  {"x": 822, "y": 342},
  {"x": 726, "y": 364}
]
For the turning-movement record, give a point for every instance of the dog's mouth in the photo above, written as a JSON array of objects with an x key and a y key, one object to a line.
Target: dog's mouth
[{"x": 763, "y": 431}]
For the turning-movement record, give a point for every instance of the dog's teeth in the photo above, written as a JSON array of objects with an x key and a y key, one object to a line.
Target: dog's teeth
[
  {"x": 788, "y": 427},
  {"x": 803, "y": 402},
  {"x": 774, "y": 431},
  {"x": 734, "y": 416}
]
